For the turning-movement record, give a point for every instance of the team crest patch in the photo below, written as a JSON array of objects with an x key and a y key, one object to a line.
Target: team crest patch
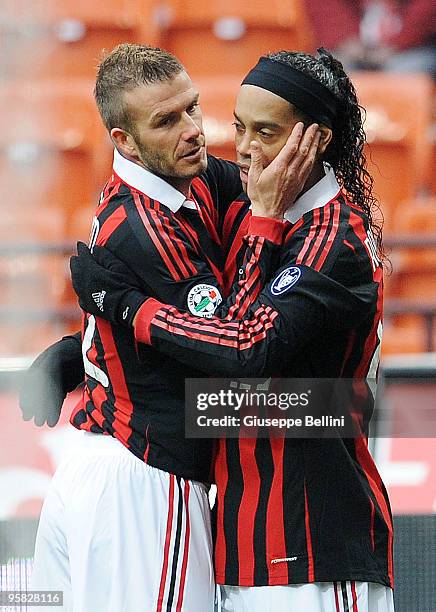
[
  {"x": 285, "y": 280},
  {"x": 203, "y": 300}
]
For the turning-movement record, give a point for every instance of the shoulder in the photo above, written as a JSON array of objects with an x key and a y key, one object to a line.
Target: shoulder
[
  {"x": 126, "y": 216},
  {"x": 333, "y": 239},
  {"x": 316, "y": 238}
]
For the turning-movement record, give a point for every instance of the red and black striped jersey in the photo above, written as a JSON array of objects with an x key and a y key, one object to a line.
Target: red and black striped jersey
[
  {"x": 294, "y": 510},
  {"x": 132, "y": 392}
]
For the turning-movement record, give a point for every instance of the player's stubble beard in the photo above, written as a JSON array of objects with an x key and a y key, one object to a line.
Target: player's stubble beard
[{"x": 158, "y": 164}]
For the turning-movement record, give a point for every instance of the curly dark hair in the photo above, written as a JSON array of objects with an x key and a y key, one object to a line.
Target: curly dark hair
[{"x": 345, "y": 152}]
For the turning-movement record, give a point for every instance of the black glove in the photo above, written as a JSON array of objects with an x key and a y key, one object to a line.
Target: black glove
[
  {"x": 53, "y": 374},
  {"x": 104, "y": 285}
]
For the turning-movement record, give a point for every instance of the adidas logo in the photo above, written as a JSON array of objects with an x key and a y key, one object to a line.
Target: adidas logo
[{"x": 98, "y": 299}]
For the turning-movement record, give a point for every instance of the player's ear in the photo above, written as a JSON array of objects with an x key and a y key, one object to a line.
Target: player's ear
[
  {"x": 326, "y": 137},
  {"x": 124, "y": 142}
]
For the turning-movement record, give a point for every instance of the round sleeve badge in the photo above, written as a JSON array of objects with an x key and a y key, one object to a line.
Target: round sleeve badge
[
  {"x": 285, "y": 280},
  {"x": 203, "y": 300}
]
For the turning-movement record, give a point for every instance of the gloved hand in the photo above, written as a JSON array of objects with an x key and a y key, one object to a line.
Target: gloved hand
[
  {"x": 53, "y": 374},
  {"x": 105, "y": 286}
]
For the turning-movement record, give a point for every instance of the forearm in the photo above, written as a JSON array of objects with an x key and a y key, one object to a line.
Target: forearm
[
  {"x": 219, "y": 347},
  {"x": 221, "y": 341},
  {"x": 294, "y": 308}
]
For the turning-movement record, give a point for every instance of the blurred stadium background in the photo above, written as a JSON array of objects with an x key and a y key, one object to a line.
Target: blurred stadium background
[{"x": 54, "y": 158}]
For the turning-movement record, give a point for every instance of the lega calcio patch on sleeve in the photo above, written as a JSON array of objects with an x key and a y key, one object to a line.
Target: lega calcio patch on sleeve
[
  {"x": 285, "y": 280},
  {"x": 203, "y": 300}
]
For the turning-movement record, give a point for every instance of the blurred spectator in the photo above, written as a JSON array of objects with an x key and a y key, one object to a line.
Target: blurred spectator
[{"x": 391, "y": 35}]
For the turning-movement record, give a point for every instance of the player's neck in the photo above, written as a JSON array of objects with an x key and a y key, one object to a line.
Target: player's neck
[{"x": 316, "y": 175}]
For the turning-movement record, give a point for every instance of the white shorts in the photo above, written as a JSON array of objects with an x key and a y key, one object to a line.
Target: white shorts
[
  {"x": 318, "y": 597},
  {"x": 117, "y": 535}
]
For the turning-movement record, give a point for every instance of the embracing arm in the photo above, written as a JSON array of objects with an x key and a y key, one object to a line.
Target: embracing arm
[
  {"x": 60, "y": 367},
  {"x": 290, "y": 312}
]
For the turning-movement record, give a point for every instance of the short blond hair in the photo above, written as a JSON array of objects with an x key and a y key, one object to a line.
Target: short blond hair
[{"x": 126, "y": 67}]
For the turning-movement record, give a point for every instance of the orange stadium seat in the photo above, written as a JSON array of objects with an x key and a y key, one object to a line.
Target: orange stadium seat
[
  {"x": 32, "y": 278},
  {"x": 35, "y": 296},
  {"x": 30, "y": 337},
  {"x": 35, "y": 293},
  {"x": 413, "y": 278},
  {"x": 51, "y": 148},
  {"x": 33, "y": 258},
  {"x": 22, "y": 225},
  {"x": 431, "y": 174},
  {"x": 432, "y": 165},
  {"x": 52, "y": 152},
  {"x": 406, "y": 335},
  {"x": 397, "y": 123},
  {"x": 229, "y": 36},
  {"x": 54, "y": 39},
  {"x": 416, "y": 218}
]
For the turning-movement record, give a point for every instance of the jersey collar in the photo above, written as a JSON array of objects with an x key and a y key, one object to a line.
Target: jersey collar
[
  {"x": 325, "y": 190},
  {"x": 148, "y": 183}
]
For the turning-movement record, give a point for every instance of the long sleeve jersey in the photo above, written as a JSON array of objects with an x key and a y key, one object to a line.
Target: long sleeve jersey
[
  {"x": 173, "y": 246},
  {"x": 294, "y": 510}
]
